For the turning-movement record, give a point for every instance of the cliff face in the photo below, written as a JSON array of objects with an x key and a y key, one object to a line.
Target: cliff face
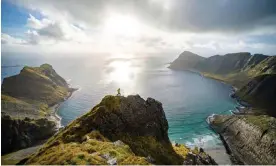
[
  {"x": 251, "y": 139},
  {"x": 23, "y": 132},
  {"x": 25, "y": 102},
  {"x": 260, "y": 92},
  {"x": 119, "y": 130}
]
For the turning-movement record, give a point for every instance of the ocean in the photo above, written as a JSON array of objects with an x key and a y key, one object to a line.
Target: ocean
[{"x": 187, "y": 98}]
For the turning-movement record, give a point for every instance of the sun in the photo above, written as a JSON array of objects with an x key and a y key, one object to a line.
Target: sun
[
  {"x": 122, "y": 72},
  {"x": 123, "y": 25}
]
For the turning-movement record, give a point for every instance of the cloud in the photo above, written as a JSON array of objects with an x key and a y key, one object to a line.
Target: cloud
[
  {"x": 7, "y": 39},
  {"x": 49, "y": 31},
  {"x": 171, "y": 15},
  {"x": 205, "y": 27}
]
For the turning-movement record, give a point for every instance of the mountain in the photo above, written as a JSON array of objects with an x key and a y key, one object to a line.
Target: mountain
[
  {"x": 26, "y": 100},
  {"x": 250, "y": 139},
  {"x": 224, "y": 64},
  {"x": 186, "y": 61},
  {"x": 118, "y": 130},
  {"x": 242, "y": 70}
]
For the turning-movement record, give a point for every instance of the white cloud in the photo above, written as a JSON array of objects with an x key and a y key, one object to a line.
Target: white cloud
[
  {"x": 48, "y": 31},
  {"x": 118, "y": 26},
  {"x": 7, "y": 39}
]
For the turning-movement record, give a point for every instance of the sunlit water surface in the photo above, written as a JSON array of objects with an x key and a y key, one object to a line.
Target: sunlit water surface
[{"x": 187, "y": 98}]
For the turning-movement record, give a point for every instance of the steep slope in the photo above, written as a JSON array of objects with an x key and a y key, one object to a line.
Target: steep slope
[
  {"x": 186, "y": 61},
  {"x": 25, "y": 106},
  {"x": 260, "y": 92},
  {"x": 251, "y": 139},
  {"x": 224, "y": 64},
  {"x": 119, "y": 130}
]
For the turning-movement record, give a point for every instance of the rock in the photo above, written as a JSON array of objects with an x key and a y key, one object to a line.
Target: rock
[
  {"x": 150, "y": 159},
  {"x": 17, "y": 134},
  {"x": 112, "y": 161},
  {"x": 249, "y": 138},
  {"x": 124, "y": 130},
  {"x": 118, "y": 143}
]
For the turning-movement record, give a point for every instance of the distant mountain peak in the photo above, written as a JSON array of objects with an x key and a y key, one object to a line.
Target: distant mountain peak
[{"x": 188, "y": 53}]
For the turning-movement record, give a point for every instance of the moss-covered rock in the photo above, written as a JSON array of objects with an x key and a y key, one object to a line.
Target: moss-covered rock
[{"x": 139, "y": 124}]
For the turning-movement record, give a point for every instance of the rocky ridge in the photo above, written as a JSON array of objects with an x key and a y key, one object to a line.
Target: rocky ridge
[{"x": 119, "y": 130}]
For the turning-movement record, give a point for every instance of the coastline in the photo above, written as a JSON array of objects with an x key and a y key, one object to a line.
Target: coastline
[{"x": 54, "y": 116}]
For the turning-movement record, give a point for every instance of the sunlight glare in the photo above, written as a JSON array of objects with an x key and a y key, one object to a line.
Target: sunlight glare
[
  {"x": 122, "y": 25},
  {"x": 122, "y": 72}
]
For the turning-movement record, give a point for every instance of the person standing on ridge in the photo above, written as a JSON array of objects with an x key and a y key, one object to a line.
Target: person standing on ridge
[{"x": 119, "y": 92}]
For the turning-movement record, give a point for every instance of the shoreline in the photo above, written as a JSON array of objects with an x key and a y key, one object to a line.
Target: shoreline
[{"x": 54, "y": 109}]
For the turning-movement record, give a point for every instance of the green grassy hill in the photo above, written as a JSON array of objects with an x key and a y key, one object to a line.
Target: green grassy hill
[{"x": 25, "y": 106}]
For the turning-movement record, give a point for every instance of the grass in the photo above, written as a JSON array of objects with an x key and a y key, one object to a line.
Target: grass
[
  {"x": 264, "y": 123},
  {"x": 89, "y": 152}
]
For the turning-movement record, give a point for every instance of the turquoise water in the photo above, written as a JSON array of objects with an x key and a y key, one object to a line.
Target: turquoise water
[{"x": 187, "y": 98}]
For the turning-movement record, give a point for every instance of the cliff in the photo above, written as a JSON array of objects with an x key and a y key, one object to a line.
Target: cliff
[
  {"x": 22, "y": 133},
  {"x": 250, "y": 139},
  {"x": 119, "y": 130},
  {"x": 260, "y": 93},
  {"x": 25, "y": 106}
]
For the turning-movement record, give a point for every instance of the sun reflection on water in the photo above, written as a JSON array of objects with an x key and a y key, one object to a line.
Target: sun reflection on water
[{"x": 122, "y": 73}]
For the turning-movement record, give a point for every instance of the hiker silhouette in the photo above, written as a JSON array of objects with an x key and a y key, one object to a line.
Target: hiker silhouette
[{"x": 119, "y": 92}]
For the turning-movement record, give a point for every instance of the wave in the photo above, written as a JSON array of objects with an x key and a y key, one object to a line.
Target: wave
[
  {"x": 204, "y": 141},
  {"x": 210, "y": 118}
]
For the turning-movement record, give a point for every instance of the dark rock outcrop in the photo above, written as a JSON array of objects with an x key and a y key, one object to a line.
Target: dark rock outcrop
[
  {"x": 250, "y": 139},
  {"x": 22, "y": 133},
  {"x": 139, "y": 124}
]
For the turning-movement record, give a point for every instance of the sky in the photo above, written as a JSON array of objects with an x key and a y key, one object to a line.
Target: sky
[{"x": 206, "y": 27}]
